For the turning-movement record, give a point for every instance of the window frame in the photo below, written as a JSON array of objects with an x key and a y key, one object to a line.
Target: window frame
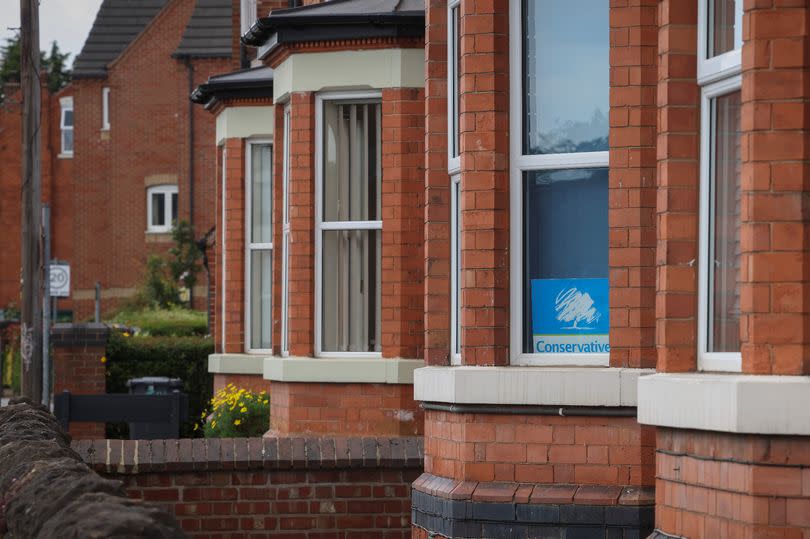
[
  {"x": 251, "y": 246},
  {"x": 246, "y": 20},
  {"x": 455, "y": 268},
  {"x": 370, "y": 96},
  {"x": 716, "y": 78},
  {"x": 66, "y": 104},
  {"x": 520, "y": 163},
  {"x": 285, "y": 236},
  {"x": 105, "y": 108},
  {"x": 166, "y": 189},
  {"x": 453, "y": 97}
]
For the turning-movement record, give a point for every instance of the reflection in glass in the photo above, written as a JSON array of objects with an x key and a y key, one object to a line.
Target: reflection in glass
[
  {"x": 455, "y": 74},
  {"x": 565, "y": 230},
  {"x": 158, "y": 209},
  {"x": 566, "y": 76},
  {"x": 724, "y": 242},
  {"x": 261, "y": 196},
  {"x": 725, "y": 27},
  {"x": 351, "y": 291},
  {"x": 261, "y": 298}
]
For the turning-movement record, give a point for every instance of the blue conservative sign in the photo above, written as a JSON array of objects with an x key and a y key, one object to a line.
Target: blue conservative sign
[{"x": 570, "y": 316}]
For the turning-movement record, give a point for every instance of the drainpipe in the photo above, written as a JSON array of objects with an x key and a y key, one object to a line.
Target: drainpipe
[{"x": 190, "y": 67}]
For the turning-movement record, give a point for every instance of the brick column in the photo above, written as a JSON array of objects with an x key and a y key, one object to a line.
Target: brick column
[
  {"x": 678, "y": 181},
  {"x": 234, "y": 248},
  {"x": 437, "y": 189},
  {"x": 78, "y": 349},
  {"x": 775, "y": 266},
  {"x": 484, "y": 142},
  {"x": 633, "y": 46},
  {"x": 402, "y": 215}
]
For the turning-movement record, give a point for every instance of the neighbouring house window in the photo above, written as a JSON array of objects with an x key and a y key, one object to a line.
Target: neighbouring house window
[
  {"x": 285, "y": 237},
  {"x": 453, "y": 83},
  {"x": 349, "y": 227},
  {"x": 455, "y": 269},
  {"x": 248, "y": 14},
  {"x": 66, "y": 125},
  {"x": 161, "y": 208},
  {"x": 105, "y": 108},
  {"x": 559, "y": 182},
  {"x": 719, "y": 63},
  {"x": 260, "y": 245}
]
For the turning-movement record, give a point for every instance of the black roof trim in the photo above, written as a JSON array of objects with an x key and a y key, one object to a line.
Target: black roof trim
[{"x": 245, "y": 83}]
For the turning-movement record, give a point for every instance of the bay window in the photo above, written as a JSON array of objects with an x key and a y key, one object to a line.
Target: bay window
[
  {"x": 719, "y": 46},
  {"x": 348, "y": 225},
  {"x": 559, "y": 68},
  {"x": 259, "y": 276}
]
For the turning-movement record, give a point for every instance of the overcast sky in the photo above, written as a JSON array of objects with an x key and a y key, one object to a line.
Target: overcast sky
[{"x": 65, "y": 21}]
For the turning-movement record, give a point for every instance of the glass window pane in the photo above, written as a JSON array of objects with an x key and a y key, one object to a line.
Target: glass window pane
[
  {"x": 67, "y": 140},
  {"x": 261, "y": 195},
  {"x": 68, "y": 119},
  {"x": 724, "y": 243},
  {"x": 158, "y": 209},
  {"x": 724, "y": 27},
  {"x": 261, "y": 298},
  {"x": 351, "y": 162},
  {"x": 565, "y": 253},
  {"x": 174, "y": 208},
  {"x": 566, "y": 76},
  {"x": 457, "y": 269},
  {"x": 456, "y": 76},
  {"x": 351, "y": 291}
]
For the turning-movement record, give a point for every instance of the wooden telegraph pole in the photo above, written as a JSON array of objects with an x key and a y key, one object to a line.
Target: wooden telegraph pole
[{"x": 32, "y": 267}]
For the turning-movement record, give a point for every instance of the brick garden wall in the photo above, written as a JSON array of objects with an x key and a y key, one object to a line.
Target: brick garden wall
[{"x": 285, "y": 487}]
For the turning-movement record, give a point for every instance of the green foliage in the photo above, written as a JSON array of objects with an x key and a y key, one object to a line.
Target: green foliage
[
  {"x": 237, "y": 413},
  {"x": 175, "y": 321},
  {"x": 185, "y": 255},
  {"x": 159, "y": 290},
  {"x": 176, "y": 357},
  {"x": 54, "y": 64}
]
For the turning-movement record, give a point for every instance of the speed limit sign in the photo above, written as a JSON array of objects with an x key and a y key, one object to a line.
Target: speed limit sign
[{"x": 60, "y": 280}]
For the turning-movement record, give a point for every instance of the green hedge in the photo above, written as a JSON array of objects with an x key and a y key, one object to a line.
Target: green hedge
[
  {"x": 165, "y": 322},
  {"x": 177, "y": 357}
]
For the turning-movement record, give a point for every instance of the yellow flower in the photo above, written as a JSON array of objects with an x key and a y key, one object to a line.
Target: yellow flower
[
  {"x": 126, "y": 334},
  {"x": 196, "y": 426},
  {"x": 243, "y": 409},
  {"x": 214, "y": 423},
  {"x": 237, "y": 421},
  {"x": 241, "y": 403},
  {"x": 264, "y": 402},
  {"x": 104, "y": 359}
]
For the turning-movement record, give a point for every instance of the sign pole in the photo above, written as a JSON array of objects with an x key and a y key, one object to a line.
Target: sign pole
[{"x": 46, "y": 311}]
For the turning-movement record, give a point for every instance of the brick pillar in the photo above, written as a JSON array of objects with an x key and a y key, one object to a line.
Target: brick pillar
[
  {"x": 678, "y": 181},
  {"x": 402, "y": 215},
  {"x": 234, "y": 248},
  {"x": 78, "y": 349},
  {"x": 775, "y": 269},
  {"x": 484, "y": 142},
  {"x": 302, "y": 223},
  {"x": 633, "y": 47},
  {"x": 437, "y": 189}
]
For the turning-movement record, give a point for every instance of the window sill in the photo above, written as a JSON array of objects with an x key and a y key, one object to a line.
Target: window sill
[
  {"x": 341, "y": 370},
  {"x": 154, "y": 236},
  {"x": 235, "y": 364},
  {"x": 65, "y": 156},
  {"x": 735, "y": 403},
  {"x": 529, "y": 386}
]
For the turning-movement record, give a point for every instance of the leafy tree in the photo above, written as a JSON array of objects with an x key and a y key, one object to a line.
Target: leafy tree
[{"x": 54, "y": 64}]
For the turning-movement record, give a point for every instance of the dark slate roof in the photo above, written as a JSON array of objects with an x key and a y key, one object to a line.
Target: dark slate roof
[
  {"x": 254, "y": 82},
  {"x": 339, "y": 19},
  {"x": 208, "y": 33},
  {"x": 117, "y": 24}
]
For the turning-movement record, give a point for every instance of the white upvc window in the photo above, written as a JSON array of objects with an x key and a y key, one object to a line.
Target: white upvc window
[
  {"x": 105, "y": 108},
  {"x": 248, "y": 14},
  {"x": 719, "y": 260},
  {"x": 348, "y": 224},
  {"x": 559, "y": 101},
  {"x": 259, "y": 245},
  {"x": 453, "y": 84},
  {"x": 66, "y": 126},
  {"x": 161, "y": 208},
  {"x": 455, "y": 269},
  {"x": 285, "y": 238}
]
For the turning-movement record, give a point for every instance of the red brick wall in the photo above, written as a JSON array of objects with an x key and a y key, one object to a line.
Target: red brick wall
[
  {"x": 345, "y": 409},
  {"x": 539, "y": 449},
  {"x": 252, "y": 382},
  {"x": 728, "y": 485},
  {"x": 234, "y": 249},
  {"x": 631, "y": 215},
  {"x": 292, "y": 488}
]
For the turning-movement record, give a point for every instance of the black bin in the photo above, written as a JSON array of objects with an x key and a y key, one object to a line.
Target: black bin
[{"x": 157, "y": 385}]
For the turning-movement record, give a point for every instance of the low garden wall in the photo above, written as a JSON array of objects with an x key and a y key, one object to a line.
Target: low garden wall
[{"x": 285, "y": 487}]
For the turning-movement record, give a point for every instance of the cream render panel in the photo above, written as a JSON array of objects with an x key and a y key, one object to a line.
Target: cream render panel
[
  {"x": 245, "y": 122},
  {"x": 344, "y": 70}
]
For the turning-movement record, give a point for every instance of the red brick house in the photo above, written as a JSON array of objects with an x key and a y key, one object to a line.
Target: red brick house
[{"x": 124, "y": 153}]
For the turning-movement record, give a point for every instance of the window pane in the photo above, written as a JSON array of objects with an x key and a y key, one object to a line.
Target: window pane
[
  {"x": 457, "y": 269},
  {"x": 261, "y": 298},
  {"x": 456, "y": 76},
  {"x": 158, "y": 209},
  {"x": 566, "y": 76},
  {"x": 174, "y": 208},
  {"x": 68, "y": 120},
  {"x": 724, "y": 266},
  {"x": 565, "y": 253},
  {"x": 261, "y": 195},
  {"x": 723, "y": 26},
  {"x": 67, "y": 140},
  {"x": 351, "y": 291},
  {"x": 351, "y": 190}
]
